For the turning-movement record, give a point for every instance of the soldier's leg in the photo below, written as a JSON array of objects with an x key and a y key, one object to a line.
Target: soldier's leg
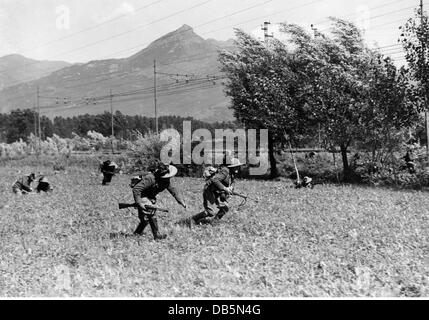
[
  {"x": 153, "y": 221},
  {"x": 223, "y": 209},
  {"x": 144, "y": 218},
  {"x": 206, "y": 216},
  {"x": 143, "y": 223},
  {"x": 107, "y": 179},
  {"x": 222, "y": 204},
  {"x": 104, "y": 179},
  {"x": 209, "y": 202}
]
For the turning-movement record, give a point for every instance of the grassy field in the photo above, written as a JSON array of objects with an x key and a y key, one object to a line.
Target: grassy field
[{"x": 333, "y": 241}]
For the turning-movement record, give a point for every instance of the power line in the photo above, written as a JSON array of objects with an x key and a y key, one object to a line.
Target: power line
[
  {"x": 191, "y": 60},
  {"x": 354, "y": 13},
  {"x": 129, "y": 31},
  {"x": 198, "y": 26},
  {"x": 376, "y": 17},
  {"x": 92, "y": 27},
  {"x": 203, "y": 24},
  {"x": 214, "y": 20},
  {"x": 110, "y": 78},
  {"x": 135, "y": 97},
  {"x": 147, "y": 91}
]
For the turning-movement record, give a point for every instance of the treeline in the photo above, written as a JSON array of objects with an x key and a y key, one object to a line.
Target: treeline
[{"x": 19, "y": 124}]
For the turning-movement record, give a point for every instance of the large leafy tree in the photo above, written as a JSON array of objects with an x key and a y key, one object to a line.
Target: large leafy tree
[
  {"x": 351, "y": 89},
  {"x": 334, "y": 69},
  {"x": 415, "y": 40},
  {"x": 265, "y": 91},
  {"x": 391, "y": 108}
]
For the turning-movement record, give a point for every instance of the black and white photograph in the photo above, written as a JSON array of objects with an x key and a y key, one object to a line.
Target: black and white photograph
[{"x": 214, "y": 149}]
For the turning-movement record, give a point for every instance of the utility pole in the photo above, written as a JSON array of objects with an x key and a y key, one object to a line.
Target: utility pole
[
  {"x": 267, "y": 36},
  {"x": 38, "y": 118},
  {"x": 35, "y": 120},
  {"x": 314, "y": 30},
  {"x": 319, "y": 127},
  {"x": 112, "y": 120},
  {"x": 425, "y": 86},
  {"x": 155, "y": 101},
  {"x": 111, "y": 112}
]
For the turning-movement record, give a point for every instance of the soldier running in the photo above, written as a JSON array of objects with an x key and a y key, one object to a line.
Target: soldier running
[
  {"x": 146, "y": 188},
  {"x": 23, "y": 185},
  {"x": 108, "y": 168},
  {"x": 217, "y": 190}
]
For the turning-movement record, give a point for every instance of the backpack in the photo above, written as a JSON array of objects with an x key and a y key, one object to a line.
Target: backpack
[{"x": 209, "y": 172}]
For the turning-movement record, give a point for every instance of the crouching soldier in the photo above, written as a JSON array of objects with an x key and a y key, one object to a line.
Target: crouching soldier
[
  {"x": 217, "y": 190},
  {"x": 44, "y": 185},
  {"x": 146, "y": 188},
  {"x": 306, "y": 183},
  {"x": 23, "y": 185},
  {"x": 108, "y": 168}
]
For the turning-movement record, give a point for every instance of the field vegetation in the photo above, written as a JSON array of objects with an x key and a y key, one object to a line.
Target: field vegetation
[{"x": 332, "y": 241}]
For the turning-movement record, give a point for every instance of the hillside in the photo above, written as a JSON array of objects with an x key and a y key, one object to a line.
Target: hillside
[
  {"x": 16, "y": 69},
  {"x": 180, "y": 52}
]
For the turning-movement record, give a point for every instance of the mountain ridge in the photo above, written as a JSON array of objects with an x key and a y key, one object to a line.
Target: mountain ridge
[
  {"x": 182, "y": 53},
  {"x": 16, "y": 69}
]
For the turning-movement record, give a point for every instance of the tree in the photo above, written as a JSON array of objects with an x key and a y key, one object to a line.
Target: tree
[
  {"x": 392, "y": 109},
  {"x": 19, "y": 125},
  {"x": 265, "y": 92},
  {"x": 415, "y": 40},
  {"x": 347, "y": 85}
]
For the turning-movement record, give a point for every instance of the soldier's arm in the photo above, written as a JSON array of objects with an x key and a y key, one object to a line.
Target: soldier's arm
[
  {"x": 216, "y": 180},
  {"x": 26, "y": 186}
]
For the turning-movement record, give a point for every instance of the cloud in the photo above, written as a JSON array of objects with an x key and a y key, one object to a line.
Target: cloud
[{"x": 125, "y": 9}]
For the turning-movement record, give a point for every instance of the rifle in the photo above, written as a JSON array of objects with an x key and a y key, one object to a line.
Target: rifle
[
  {"x": 147, "y": 206},
  {"x": 244, "y": 197},
  {"x": 239, "y": 195}
]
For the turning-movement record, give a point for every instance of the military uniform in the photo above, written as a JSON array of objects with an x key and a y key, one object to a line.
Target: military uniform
[
  {"x": 145, "y": 192},
  {"x": 23, "y": 185},
  {"x": 44, "y": 185},
  {"x": 108, "y": 169},
  {"x": 215, "y": 196}
]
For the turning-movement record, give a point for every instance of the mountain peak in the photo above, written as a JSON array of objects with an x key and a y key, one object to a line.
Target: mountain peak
[
  {"x": 184, "y": 28},
  {"x": 184, "y": 32}
]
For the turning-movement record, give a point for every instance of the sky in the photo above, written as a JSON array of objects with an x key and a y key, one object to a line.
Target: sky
[{"x": 81, "y": 31}]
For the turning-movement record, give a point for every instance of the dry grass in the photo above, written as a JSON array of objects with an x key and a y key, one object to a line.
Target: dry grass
[{"x": 331, "y": 241}]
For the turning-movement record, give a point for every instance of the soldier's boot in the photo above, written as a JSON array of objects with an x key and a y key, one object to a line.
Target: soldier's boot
[
  {"x": 140, "y": 228},
  {"x": 202, "y": 218},
  {"x": 155, "y": 230},
  {"x": 221, "y": 213}
]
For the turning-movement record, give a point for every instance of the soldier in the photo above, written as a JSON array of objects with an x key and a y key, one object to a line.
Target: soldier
[
  {"x": 306, "y": 183},
  {"x": 44, "y": 185},
  {"x": 146, "y": 188},
  {"x": 108, "y": 168},
  {"x": 23, "y": 185},
  {"x": 217, "y": 190}
]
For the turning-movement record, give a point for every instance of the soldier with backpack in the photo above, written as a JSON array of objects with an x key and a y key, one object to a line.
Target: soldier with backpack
[
  {"x": 23, "y": 185},
  {"x": 145, "y": 189},
  {"x": 217, "y": 190},
  {"x": 108, "y": 168}
]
